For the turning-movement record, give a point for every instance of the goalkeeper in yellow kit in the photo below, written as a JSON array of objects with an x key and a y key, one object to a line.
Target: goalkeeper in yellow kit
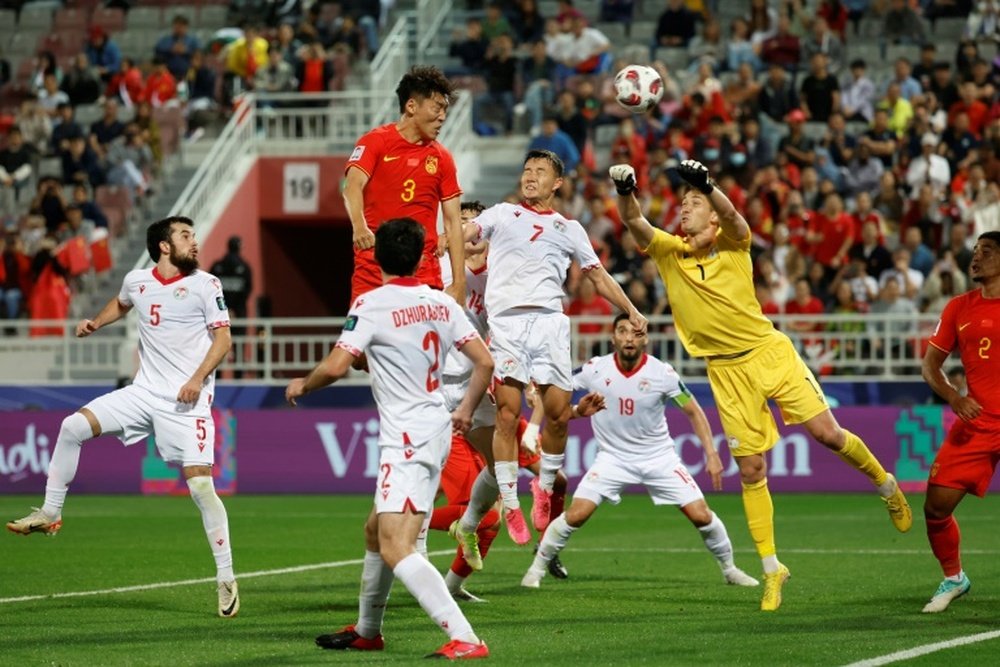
[{"x": 709, "y": 279}]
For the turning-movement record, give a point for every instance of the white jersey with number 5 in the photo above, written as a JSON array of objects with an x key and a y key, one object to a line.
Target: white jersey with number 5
[
  {"x": 530, "y": 253},
  {"x": 406, "y": 329},
  {"x": 632, "y": 425},
  {"x": 457, "y": 364},
  {"x": 176, "y": 317}
]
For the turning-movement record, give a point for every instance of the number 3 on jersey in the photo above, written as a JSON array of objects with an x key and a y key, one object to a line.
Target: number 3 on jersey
[{"x": 409, "y": 187}]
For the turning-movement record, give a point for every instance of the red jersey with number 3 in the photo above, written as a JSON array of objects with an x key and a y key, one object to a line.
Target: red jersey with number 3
[
  {"x": 971, "y": 324},
  {"x": 405, "y": 180}
]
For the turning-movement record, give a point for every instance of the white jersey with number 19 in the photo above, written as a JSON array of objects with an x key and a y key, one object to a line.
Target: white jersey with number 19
[{"x": 406, "y": 329}]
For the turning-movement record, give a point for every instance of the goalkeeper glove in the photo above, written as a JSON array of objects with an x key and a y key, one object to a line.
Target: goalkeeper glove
[
  {"x": 696, "y": 174},
  {"x": 623, "y": 176}
]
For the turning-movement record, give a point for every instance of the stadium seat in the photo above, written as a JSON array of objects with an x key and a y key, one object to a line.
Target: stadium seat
[
  {"x": 112, "y": 19},
  {"x": 171, "y": 122},
  {"x": 212, "y": 16},
  {"x": 8, "y": 17},
  {"x": 814, "y": 130},
  {"x": 70, "y": 18},
  {"x": 34, "y": 18},
  {"x": 65, "y": 44},
  {"x": 675, "y": 59},
  {"x": 145, "y": 18},
  {"x": 643, "y": 32}
]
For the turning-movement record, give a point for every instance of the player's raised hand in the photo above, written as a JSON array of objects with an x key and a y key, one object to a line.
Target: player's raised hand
[
  {"x": 590, "y": 404},
  {"x": 696, "y": 174},
  {"x": 966, "y": 408},
  {"x": 190, "y": 392},
  {"x": 296, "y": 389},
  {"x": 364, "y": 239},
  {"x": 623, "y": 176},
  {"x": 638, "y": 322},
  {"x": 713, "y": 465},
  {"x": 84, "y": 328}
]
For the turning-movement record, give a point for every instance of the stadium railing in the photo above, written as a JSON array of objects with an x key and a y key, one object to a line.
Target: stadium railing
[{"x": 271, "y": 351}]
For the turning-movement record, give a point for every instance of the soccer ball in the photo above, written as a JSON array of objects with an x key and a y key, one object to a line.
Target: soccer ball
[{"x": 638, "y": 88}]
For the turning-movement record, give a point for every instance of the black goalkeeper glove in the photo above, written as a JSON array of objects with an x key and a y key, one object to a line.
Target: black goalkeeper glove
[
  {"x": 696, "y": 175},
  {"x": 623, "y": 176}
]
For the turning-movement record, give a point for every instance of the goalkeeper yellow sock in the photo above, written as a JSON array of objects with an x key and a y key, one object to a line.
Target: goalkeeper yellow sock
[
  {"x": 760, "y": 518},
  {"x": 857, "y": 455}
]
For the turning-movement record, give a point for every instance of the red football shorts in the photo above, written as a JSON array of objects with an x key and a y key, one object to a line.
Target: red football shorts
[
  {"x": 368, "y": 275},
  {"x": 525, "y": 458},
  {"x": 460, "y": 471},
  {"x": 968, "y": 457}
]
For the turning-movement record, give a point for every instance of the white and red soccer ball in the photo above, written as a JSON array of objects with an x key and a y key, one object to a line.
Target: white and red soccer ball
[{"x": 638, "y": 88}]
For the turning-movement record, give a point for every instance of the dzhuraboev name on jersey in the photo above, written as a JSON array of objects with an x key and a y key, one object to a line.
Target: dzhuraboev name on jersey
[{"x": 422, "y": 313}]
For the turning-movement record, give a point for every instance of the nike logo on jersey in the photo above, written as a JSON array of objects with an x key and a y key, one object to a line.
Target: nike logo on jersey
[
  {"x": 390, "y": 158},
  {"x": 962, "y": 326}
]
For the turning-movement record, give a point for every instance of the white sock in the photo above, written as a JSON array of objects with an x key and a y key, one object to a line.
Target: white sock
[
  {"x": 484, "y": 494},
  {"x": 550, "y": 466},
  {"x": 216, "y": 522},
  {"x": 427, "y": 586},
  {"x": 65, "y": 460},
  {"x": 555, "y": 539},
  {"x": 770, "y": 564},
  {"x": 956, "y": 577},
  {"x": 506, "y": 473},
  {"x": 422, "y": 535},
  {"x": 376, "y": 583},
  {"x": 453, "y": 581},
  {"x": 717, "y": 541}
]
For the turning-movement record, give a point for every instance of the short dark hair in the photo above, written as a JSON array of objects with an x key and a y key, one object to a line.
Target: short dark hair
[
  {"x": 475, "y": 206},
  {"x": 990, "y": 236},
  {"x": 618, "y": 318},
  {"x": 160, "y": 231},
  {"x": 422, "y": 81},
  {"x": 399, "y": 245},
  {"x": 555, "y": 160}
]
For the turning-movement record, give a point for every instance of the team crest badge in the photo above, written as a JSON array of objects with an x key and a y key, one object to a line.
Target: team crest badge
[
  {"x": 431, "y": 164},
  {"x": 734, "y": 443},
  {"x": 560, "y": 225},
  {"x": 507, "y": 366},
  {"x": 644, "y": 385},
  {"x": 934, "y": 469},
  {"x": 181, "y": 293}
]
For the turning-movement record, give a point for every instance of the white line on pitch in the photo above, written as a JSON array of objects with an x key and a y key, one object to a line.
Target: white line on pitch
[
  {"x": 925, "y": 649},
  {"x": 190, "y": 582}
]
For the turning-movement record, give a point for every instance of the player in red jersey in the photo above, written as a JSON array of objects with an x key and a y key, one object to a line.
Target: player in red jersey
[
  {"x": 967, "y": 459},
  {"x": 400, "y": 170}
]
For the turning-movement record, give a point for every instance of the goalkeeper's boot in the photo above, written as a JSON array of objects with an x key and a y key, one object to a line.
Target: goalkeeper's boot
[
  {"x": 469, "y": 543},
  {"x": 348, "y": 638},
  {"x": 456, "y": 649},
  {"x": 773, "y": 581},
  {"x": 948, "y": 590},
  {"x": 517, "y": 528},
  {"x": 737, "y": 577},
  {"x": 38, "y": 521},
  {"x": 541, "y": 505},
  {"x": 229, "y": 599},
  {"x": 899, "y": 509}
]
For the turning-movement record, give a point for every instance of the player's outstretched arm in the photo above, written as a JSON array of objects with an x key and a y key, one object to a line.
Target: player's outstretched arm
[
  {"x": 623, "y": 176},
  {"x": 609, "y": 288},
  {"x": 702, "y": 429},
  {"x": 732, "y": 222},
  {"x": 113, "y": 311},
  {"x": 482, "y": 371},
  {"x": 335, "y": 366},
  {"x": 222, "y": 342},
  {"x": 354, "y": 202},
  {"x": 452, "y": 209},
  {"x": 589, "y": 405},
  {"x": 932, "y": 368}
]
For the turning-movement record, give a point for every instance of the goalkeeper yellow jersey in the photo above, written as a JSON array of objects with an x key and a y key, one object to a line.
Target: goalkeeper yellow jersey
[{"x": 711, "y": 295}]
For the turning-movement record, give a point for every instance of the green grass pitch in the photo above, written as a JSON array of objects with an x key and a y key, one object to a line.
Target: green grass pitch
[{"x": 642, "y": 589}]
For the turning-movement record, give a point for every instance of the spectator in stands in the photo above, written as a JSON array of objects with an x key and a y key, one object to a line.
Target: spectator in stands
[
  {"x": 107, "y": 129},
  {"x": 501, "y": 72},
  {"x": 983, "y": 21},
  {"x": 928, "y": 168},
  {"x": 838, "y": 143},
  {"x": 538, "y": 76},
  {"x": 864, "y": 288},
  {"x": 782, "y": 48},
  {"x": 589, "y": 304},
  {"x": 777, "y": 99},
  {"x": 81, "y": 83},
  {"x": 899, "y": 109},
  {"x": 15, "y": 167},
  {"x": 822, "y": 40},
  {"x": 757, "y": 150},
  {"x": 863, "y": 172},
  {"x": 150, "y": 129},
  {"x": 597, "y": 222},
  {"x": 201, "y": 92},
  {"x": 91, "y": 211},
  {"x": 909, "y": 87},
  {"x": 346, "y": 37},
  {"x": 831, "y": 235},
  {"x": 45, "y": 63},
  {"x": 675, "y": 27},
  {"x": 798, "y": 147},
  {"x": 161, "y": 87},
  {"x": 289, "y": 44},
  {"x": 889, "y": 201},
  {"x": 707, "y": 47},
  {"x": 835, "y": 13},
  {"x": 588, "y": 49},
  {"x": 871, "y": 250},
  {"x": 368, "y": 15},
  {"x": 50, "y": 97},
  {"x": 103, "y": 54},
  {"x": 804, "y": 303},
  {"x": 35, "y": 124},
  {"x": 529, "y": 25},
  {"x": 129, "y": 161},
  {"x": 277, "y": 76},
  {"x": 943, "y": 86},
  {"x": 49, "y": 204},
  {"x": 80, "y": 163},
  {"x": 983, "y": 78},
  {"x": 909, "y": 280},
  {"x": 175, "y": 49},
  {"x": 857, "y": 99},
  {"x": 50, "y": 294},
  {"x": 64, "y": 128},
  {"x": 553, "y": 139},
  {"x": 315, "y": 69},
  {"x": 968, "y": 104},
  {"x": 923, "y": 69},
  {"x": 892, "y": 301},
  {"x": 495, "y": 23},
  {"x": 570, "y": 119},
  {"x": 243, "y": 57},
  {"x": 236, "y": 277},
  {"x": 901, "y": 25},
  {"x": 469, "y": 47},
  {"x": 739, "y": 50},
  {"x": 881, "y": 141},
  {"x": 742, "y": 92},
  {"x": 944, "y": 281},
  {"x": 921, "y": 257},
  {"x": 820, "y": 93},
  {"x": 4, "y": 69},
  {"x": 14, "y": 268},
  {"x": 127, "y": 84}
]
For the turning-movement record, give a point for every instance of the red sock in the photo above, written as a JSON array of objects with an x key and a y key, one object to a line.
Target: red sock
[
  {"x": 945, "y": 538},
  {"x": 444, "y": 516},
  {"x": 488, "y": 529},
  {"x": 557, "y": 501}
]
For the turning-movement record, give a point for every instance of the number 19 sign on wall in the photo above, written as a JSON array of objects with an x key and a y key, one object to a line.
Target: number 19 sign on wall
[{"x": 301, "y": 189}]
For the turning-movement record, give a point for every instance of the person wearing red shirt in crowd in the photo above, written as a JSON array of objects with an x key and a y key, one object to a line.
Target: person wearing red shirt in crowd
[
  {"x": 804, "y": 303},
  {"x": 835, "y": 14},
  {"x": 314, "y": 70},
  {"x": 126, "y": 84},
  {"x": 161, "y": 87},
  {"x": 976, "y": 110},
  {"x": 589, "y": 304},
  {"x": 400, "y": 170},
  {"x": 783, "y": 48},
  {"x": 831, "y": 234},
  {"x": 967, "y": 459},
  {"x": 630, "y": 146}
]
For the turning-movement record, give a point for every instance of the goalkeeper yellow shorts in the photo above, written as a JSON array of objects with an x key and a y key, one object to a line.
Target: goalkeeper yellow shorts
[{"x": 742, "y": 387}]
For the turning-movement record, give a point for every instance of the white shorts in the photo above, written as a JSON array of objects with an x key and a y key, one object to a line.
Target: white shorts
[
  {"x": 184, "y": 433},
  {"x": 485, "y": 413},
  {"x": 408, "y": 475},
  {"x": 532, "y": 345},
  {"x": 666, "y": 480}
]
